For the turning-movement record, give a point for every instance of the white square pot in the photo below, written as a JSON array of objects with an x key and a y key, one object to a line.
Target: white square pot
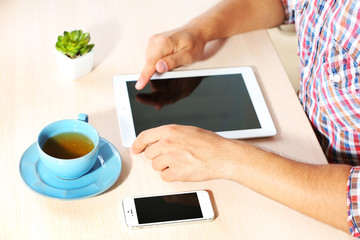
[{"x": 77, "y": 67}]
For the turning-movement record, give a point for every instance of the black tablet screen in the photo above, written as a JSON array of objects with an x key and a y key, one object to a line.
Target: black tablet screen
[{"x": 217, "y": 103}]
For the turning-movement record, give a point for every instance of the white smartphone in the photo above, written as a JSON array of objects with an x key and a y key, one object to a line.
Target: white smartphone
[{"x": 179, "y": 207}]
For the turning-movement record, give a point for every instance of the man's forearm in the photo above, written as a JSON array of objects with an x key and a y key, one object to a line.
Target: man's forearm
[
  {"x": 230, "y": 17},
  {"x": 318, "y": 191}
]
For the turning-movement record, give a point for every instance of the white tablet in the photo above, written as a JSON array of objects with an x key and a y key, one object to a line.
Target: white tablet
[{"x": 227, "y": 101}]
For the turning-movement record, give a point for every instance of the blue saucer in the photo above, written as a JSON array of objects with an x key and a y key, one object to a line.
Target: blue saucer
[{"x": 101, "y": 176}]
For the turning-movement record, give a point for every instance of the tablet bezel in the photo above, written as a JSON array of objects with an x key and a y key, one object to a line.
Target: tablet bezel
[{"x": 125, "y": 117}]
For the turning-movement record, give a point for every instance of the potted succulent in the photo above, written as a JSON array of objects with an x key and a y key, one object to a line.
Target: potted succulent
[{"x": 74, "y": 54}]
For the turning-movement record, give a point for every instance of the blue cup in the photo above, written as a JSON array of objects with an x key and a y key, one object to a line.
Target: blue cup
[{"x": 75, "y": 167}]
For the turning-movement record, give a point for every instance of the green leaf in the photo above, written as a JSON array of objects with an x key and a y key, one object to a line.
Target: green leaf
[
  {"x": 67, "y": 36},
  {"x": 78, "y": 47},
  {"x": 60, "y": 45},
  {"x": 77, "y": 35},
  {"x": 61, "y": 50},
  {"x": 86, "y": 41},
  {"x": 70, "y": 48},
  {"x": 91, "y": 46},
  {"x": 87, "y": 35},
  {"x": 83, "y": 51},
  {"x": 60, "y": 38},
  {"x": 72, "y": 36},
  {"x": 73, "y": 44}
]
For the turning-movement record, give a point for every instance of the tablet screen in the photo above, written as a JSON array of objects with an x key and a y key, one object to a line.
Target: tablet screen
[{"x": 216, "y": 103}]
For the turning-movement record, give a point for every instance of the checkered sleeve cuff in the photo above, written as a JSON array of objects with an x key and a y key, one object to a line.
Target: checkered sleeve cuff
[
  {"x": 289, "y": 12},
  {"x": 353, "y": 201}
]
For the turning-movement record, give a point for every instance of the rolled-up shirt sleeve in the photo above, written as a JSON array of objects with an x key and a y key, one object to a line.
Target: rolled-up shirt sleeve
[
  {"x": 289, "y": 11},
  {"x": 353, "y": 201}
]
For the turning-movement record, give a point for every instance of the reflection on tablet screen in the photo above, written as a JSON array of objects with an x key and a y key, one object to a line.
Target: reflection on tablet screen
[{"x": 217, "y": 103}]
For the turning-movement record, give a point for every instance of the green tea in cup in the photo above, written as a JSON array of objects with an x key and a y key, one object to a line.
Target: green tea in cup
[{"x": 68, "y": 145}]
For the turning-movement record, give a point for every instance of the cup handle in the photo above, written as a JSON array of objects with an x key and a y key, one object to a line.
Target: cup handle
[{"x": 83, "y": 117}]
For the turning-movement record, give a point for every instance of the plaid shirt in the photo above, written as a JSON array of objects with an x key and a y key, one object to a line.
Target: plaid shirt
[{"x": 329, "y": 48}]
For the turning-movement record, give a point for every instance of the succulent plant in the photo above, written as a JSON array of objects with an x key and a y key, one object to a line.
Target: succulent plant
[{"x": 74, "y": 44}]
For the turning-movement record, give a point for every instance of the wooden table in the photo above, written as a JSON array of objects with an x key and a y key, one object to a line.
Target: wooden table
[{"x": 34, "y": 93}]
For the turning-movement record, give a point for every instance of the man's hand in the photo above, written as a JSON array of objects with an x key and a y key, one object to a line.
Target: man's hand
[
  {"x": 184, "y": 153},
  {"x": 169, "y": 50}
]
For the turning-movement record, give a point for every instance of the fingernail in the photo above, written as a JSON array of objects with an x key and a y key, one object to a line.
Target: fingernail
[
  {"x": 138, "y": 85},
  {"x": 162, "y": 66}
]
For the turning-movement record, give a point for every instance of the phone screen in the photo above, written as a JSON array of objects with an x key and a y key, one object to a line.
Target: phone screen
[{"x": 168, "y": 208}]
